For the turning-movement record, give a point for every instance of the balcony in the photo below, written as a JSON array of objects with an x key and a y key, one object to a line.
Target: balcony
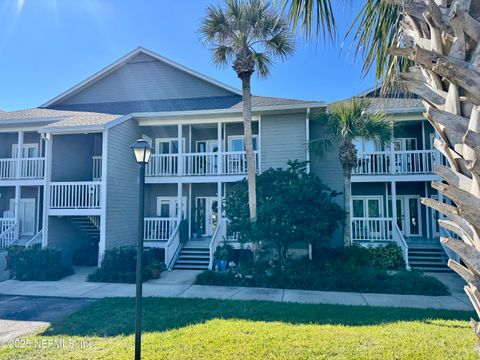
[
  {"x": 74, "y": 198},
  {"x": 410, "y": 162},
  {"x": 199, "y": 164},
  {"x": 22, "y": 169},
  {"x": 158, "y": 228}
]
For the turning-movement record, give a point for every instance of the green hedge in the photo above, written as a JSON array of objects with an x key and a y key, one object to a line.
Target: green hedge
[
  {"x": 34, "y": 263},
  {"x": 119, "y": 265}
]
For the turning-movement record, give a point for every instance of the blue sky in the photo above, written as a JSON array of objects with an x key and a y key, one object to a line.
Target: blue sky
[{"x": 47, "y": 46}]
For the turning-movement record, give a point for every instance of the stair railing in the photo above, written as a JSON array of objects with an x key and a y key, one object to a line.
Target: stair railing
[
  {"x": 37, "y": 239},
  {"x": 8, "y": 236},
  {"x": 214, "y": 244},
  {"x": 400, "y": 241},
  {"x": 172, "y": 248}
]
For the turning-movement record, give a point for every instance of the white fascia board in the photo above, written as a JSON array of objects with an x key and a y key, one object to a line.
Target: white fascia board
[
  {"x": 112, "y": 67},
  {"x": 72, "y": 129},
  {"x": 199, "y": 113}
]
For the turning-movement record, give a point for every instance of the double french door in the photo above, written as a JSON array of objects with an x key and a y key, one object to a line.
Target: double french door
[
  {"x": 409, "y": 218},
  {"x": 206, "y": 215}
]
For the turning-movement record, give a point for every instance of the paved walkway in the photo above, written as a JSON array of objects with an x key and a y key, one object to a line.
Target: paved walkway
[{"x": 179, "y": 283}]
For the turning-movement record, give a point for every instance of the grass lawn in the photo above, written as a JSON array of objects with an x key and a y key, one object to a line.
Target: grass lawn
[{"x": 194, "y": 328}]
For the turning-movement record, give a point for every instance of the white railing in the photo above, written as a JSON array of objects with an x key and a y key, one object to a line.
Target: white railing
[
  {"x": 172, "y": 248},
  {"x": 75, "y": 195},
  {"x": 404, "y": 162},
  {"x": 32, "y": 168},
  {"x": 97, "y": 168},
  {"x": 8, "y": 236},
  {"x": 7, "y": 169},
  {"x": 5, "y": 223},
  {"x": 200, "y": 163},
  {"x": 233, "y": 163},
  {"x": 217, "y": 236},
  {"x": 158, "y": 229},
  {"x": 36, "y": 240},
  {"x": 400, "y": 241},
  {"x": 162, "y": 165},
  {"x": 371, "y": 229}
]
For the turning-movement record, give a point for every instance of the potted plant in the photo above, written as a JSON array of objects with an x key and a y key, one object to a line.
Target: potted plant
[
  {"x": 156, "y": 267},
  {"x": 223, "y": 255}
]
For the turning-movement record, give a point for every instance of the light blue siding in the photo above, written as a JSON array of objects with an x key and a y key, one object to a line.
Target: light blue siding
[
  {"x": 122, "y": 186},
  {"x": 283, "y": 138},
  {"x": 145, "y": 78}
]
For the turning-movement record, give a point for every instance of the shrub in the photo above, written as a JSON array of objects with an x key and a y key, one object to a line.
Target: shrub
[
  {"x": 328, "y": 274},
  {"x": 35, "y": 263},
  {"x": 119, "y": 265},
  {"x": 387, "y": 257},
  {"x": 293, "y": 206},
  {"x": 224, "y": 252}
]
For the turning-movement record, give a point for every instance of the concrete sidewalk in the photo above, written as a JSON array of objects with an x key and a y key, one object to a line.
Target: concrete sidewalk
[{"x": 179, "y": 283}]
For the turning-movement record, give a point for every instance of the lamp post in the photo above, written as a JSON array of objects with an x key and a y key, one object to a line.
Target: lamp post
[{"x": 142, "y": 151}]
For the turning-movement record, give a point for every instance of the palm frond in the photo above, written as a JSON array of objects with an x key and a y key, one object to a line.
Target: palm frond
[
  {"x": 263, "y": 63},
  {"x": 312, "y": 17}
]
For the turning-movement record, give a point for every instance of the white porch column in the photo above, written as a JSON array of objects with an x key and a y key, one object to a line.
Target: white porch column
[
  {"x": 219, "y": 203},
  {"x": 427, "y": 211},
  {"x": 179, "y": 201},
  {"x": 394, "y": 202},
  {"x": 16, "y": 206},
  {"x": 189, "y": 209},
  {"x": 18, "y": 168},
  {"x": 46, "y": 188},
  {"x": 220, "y": 149},
  {"x": 392, "y": 155},
  {"x": 180, "y": 149},
  {"x": 103, "y": 199}
]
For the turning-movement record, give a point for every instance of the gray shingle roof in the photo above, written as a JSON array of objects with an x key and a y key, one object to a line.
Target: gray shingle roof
[
  {"x": 58, "y": 118},
  {"x": 382, "y": 103},
  {"x": 189, "y": 104}
]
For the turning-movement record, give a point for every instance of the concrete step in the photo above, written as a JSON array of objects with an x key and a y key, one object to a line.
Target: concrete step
[
  {"x": 186, "y": 257},
  {"x": 190, "y": 267}
]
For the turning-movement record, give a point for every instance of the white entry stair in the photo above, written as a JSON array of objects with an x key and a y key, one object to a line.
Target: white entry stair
[
  {"x": 428, "y": 257},
  {"x": 195, "y": 255}
]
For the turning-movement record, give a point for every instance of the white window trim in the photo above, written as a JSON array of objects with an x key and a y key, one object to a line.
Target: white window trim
[
  {"x": 25, "y": 146},
  {"x": 159, "y": 140},
  {"x": 365, "y": 199},
  {"x": 172, "y": 204},
  {"x": 242, "y": 137}
]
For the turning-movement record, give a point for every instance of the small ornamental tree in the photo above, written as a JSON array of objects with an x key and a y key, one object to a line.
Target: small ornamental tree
[{"x": 293, "y": 207}]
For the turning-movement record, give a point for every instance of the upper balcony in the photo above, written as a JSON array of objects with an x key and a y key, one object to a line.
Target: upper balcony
[
  {"x": 28, "y": 164},
  {"x": 199, "y": 164},
  {"x": 408, "y": 162},
  {"x": 199, "y": 152}
]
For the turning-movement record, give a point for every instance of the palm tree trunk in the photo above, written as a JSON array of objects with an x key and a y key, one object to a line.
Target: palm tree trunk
[
  {"x": 447, "y": 79},
  {"x": 347, "y": 186},
  {"x": 247, "y": 124}
]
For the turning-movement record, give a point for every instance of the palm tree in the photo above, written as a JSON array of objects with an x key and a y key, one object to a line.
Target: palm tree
[
  {"x": 434, "y": 49},
  {"x": 247, "y": 34},
  {"x": 345, "y": 122}
]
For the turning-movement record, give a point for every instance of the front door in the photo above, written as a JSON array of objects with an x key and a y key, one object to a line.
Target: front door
[
  {"x": 408, "y": 214},
  {"x": 206, "y": 215},
  {"x": 26, "y": 216}
]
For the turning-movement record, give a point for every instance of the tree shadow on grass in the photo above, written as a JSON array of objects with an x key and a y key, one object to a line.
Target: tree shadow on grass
[{"x": 115, "y": 316}]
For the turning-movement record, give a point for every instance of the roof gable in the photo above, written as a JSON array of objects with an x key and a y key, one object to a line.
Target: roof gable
[{"x": 142, "y": 75}]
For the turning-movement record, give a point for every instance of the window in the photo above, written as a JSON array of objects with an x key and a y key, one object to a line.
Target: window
[
  {"x": 237, "y": 143},
  {"x": 363, "y": 145},
  {"x": 29, "y": 150},
  {"x": 167, "y": 145},
  {"x": 367, "y": 206}
]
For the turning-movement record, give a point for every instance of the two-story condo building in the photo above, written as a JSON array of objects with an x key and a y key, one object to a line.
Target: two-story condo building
[{"x": 68, "y": 177}]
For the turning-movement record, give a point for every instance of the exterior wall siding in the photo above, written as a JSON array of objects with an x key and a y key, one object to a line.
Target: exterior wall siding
[
  {"x": 72, "y": 157},
  {"x": 283, "y": 138},
  {"x": 122, "y": 186},
  {"x": 145, "y": 78}
]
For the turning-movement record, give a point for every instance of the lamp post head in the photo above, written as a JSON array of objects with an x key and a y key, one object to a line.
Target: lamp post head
[{"x": 142, "y": 151}]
